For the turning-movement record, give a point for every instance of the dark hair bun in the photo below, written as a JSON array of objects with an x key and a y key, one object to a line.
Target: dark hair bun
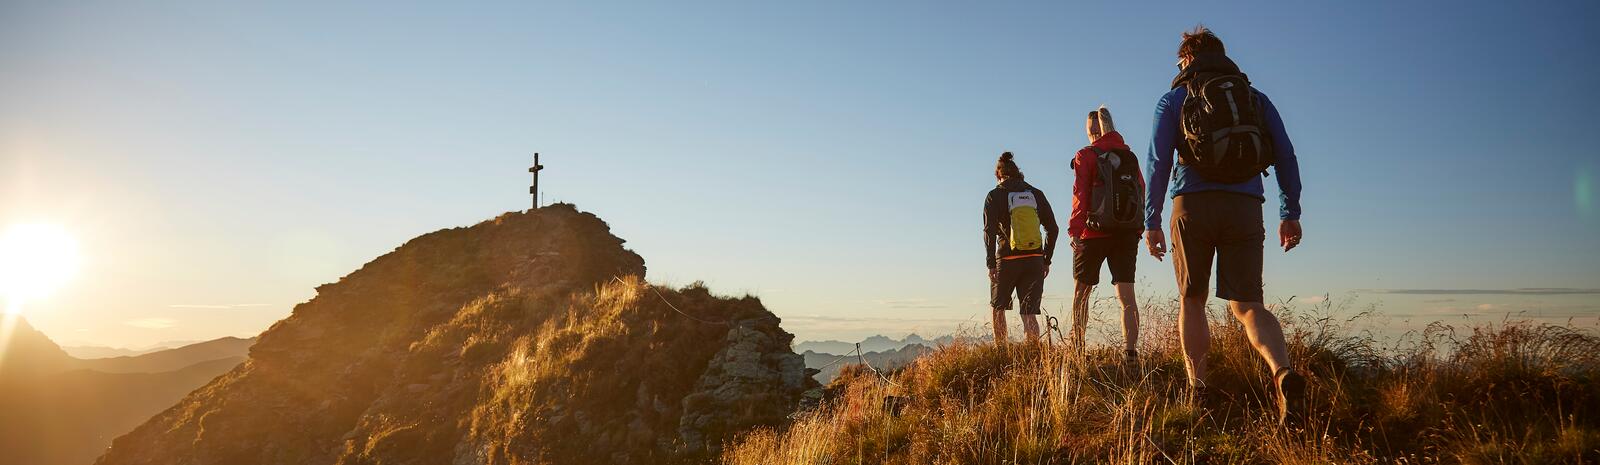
[{"x": 1005, "y": 156}]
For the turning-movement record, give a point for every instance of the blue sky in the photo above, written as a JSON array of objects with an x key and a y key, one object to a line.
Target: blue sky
[{"x": 219, "y": 161}]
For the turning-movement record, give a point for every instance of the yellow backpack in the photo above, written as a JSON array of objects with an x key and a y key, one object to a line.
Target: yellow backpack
[{"x": 1024, "y": 234}]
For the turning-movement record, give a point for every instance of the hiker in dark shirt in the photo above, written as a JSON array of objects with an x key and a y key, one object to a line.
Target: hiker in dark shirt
[{"x": 1017, "y": 257}]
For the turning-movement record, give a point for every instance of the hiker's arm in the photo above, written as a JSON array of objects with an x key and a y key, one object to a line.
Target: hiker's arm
[
  {"x": 1287, "y": 166},
  {"x": 989, "y": 231},
  {"x": 1083, "y": 171},
  {"x": 1162, "y": 141},
  {"x": 1047, "y": 217}
]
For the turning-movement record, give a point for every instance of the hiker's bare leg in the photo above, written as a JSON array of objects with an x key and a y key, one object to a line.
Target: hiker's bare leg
[
  {"x": 1130, "y": 316},
  {"x": 1030, "y": 326},
  {"x": 1080, "y": 313},
  {"x": 1195, "y": 334},
  {"x": 1265, "y": 332},
  {"x": 999, "y": 325}
]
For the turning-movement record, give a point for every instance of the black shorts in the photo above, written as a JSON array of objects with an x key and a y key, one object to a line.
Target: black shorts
[
  {"x": 1121, "y": 250},
  {"x": 1023, "y": 275},
  {"x": 1224, "y": 225}
]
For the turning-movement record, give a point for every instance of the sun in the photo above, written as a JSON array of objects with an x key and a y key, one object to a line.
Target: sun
[{"x": 35, "y": 261}]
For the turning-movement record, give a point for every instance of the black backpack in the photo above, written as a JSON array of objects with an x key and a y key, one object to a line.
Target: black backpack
[
  {"x": 1225, "y": 137},
  {"x": 1117, "y": 202}
]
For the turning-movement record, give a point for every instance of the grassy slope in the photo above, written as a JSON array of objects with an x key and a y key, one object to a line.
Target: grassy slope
[
  {"x": 1507, "y": 393},
  {"x": 590, "y": 377}
]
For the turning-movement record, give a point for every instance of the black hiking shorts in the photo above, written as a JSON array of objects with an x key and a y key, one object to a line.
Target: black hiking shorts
[
  {"x": 1023, "y": 275},
  {"x": 1224, "y": 225},
  {"x": 1121, "y": 251}
]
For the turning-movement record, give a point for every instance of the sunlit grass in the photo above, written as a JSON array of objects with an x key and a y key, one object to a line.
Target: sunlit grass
[{"x": 1512, "y": 392}]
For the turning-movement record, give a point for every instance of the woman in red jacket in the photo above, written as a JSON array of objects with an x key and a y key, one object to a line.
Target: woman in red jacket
[{"x": 1106, "y": 223}]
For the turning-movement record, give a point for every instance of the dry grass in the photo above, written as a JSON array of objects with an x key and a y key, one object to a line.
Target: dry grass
[
  {"x": 588, "y": 377},
  {"x": 1513, "y": 392}
]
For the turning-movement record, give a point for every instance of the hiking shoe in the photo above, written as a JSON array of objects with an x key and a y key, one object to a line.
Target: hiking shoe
[{"x": 1291, "y": 398}]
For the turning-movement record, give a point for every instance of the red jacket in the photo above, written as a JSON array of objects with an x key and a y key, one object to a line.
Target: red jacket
[{"x": 1085, "y": 168}]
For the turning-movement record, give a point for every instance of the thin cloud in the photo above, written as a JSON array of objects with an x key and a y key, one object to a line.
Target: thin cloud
[
  {"x": 1517, "y": 291},
  {"x": 217, "y": 306},
  {"x": 910, "y": 303},
  {"x": 152, "y": 323}
]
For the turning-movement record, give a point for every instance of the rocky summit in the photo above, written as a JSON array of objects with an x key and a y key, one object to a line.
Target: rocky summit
[{"x": 527, "y": 339}]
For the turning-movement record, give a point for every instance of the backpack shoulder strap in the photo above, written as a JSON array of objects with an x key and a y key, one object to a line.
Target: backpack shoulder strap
[{"x": 1074, "y": 163}]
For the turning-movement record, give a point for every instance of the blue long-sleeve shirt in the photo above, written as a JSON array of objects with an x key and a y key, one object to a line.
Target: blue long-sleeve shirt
[{"x": 1168, "y": 133}]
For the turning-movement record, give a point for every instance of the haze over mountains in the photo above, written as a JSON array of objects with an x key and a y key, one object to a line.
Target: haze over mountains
[
  {"x": 95, "y": 351},
  {"x": 60, "y": 409}
]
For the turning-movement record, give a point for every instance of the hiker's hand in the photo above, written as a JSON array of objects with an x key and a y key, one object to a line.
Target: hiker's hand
[
  {"x": 1157, "y": 241},
  {"x": 994, "y": 274},
  {"x": 1289, "y": 234},
  {"x": 1046, "y": 270},
  {"x": 1077, "y": 245}
]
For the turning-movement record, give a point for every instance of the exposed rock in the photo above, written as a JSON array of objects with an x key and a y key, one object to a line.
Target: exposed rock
[{"x": 755, "y": 379}]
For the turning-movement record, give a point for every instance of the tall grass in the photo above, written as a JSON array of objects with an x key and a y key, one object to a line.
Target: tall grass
[{"x": 1511, "y": 392}]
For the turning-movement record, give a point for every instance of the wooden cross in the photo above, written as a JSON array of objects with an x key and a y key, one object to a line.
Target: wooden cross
[{"x": 535, "y": 188}]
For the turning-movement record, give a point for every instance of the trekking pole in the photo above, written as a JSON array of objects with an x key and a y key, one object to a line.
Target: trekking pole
[
  {"x": 1054, "y": 325},
  {"x": 1049, "y": 325}
]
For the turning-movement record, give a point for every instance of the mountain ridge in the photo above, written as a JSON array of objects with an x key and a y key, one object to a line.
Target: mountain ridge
[
  {"x": 829, "y": 366},
  {"x": 171, "y": 359},
  {"x": 874, "y": 343},
  {"x": 529, "y": 338},
  {"x": 87, "y": 351}
]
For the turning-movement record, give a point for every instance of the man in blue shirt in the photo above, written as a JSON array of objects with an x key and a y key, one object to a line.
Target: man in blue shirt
[{"x": 1222, "y": 220}]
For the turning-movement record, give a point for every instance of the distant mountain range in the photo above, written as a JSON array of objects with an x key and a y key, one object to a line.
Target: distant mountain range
[
  {"x": 829, "y": 365},
  {"x": 60, "y": 409},
  {"x": 94, "y": 351},
  {"x": 172, "y": 359},
  {"x": 877, "y": 343},
  {"x": 882, "y": 352}
]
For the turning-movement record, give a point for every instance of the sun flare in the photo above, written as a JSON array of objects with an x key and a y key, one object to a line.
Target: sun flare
[{"x": 35, "y": 261}]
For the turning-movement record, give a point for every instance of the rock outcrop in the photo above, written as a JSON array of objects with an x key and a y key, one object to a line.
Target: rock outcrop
[
  {"x": 527, "y": 339},
  {"x": 754, "y": 379}
]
